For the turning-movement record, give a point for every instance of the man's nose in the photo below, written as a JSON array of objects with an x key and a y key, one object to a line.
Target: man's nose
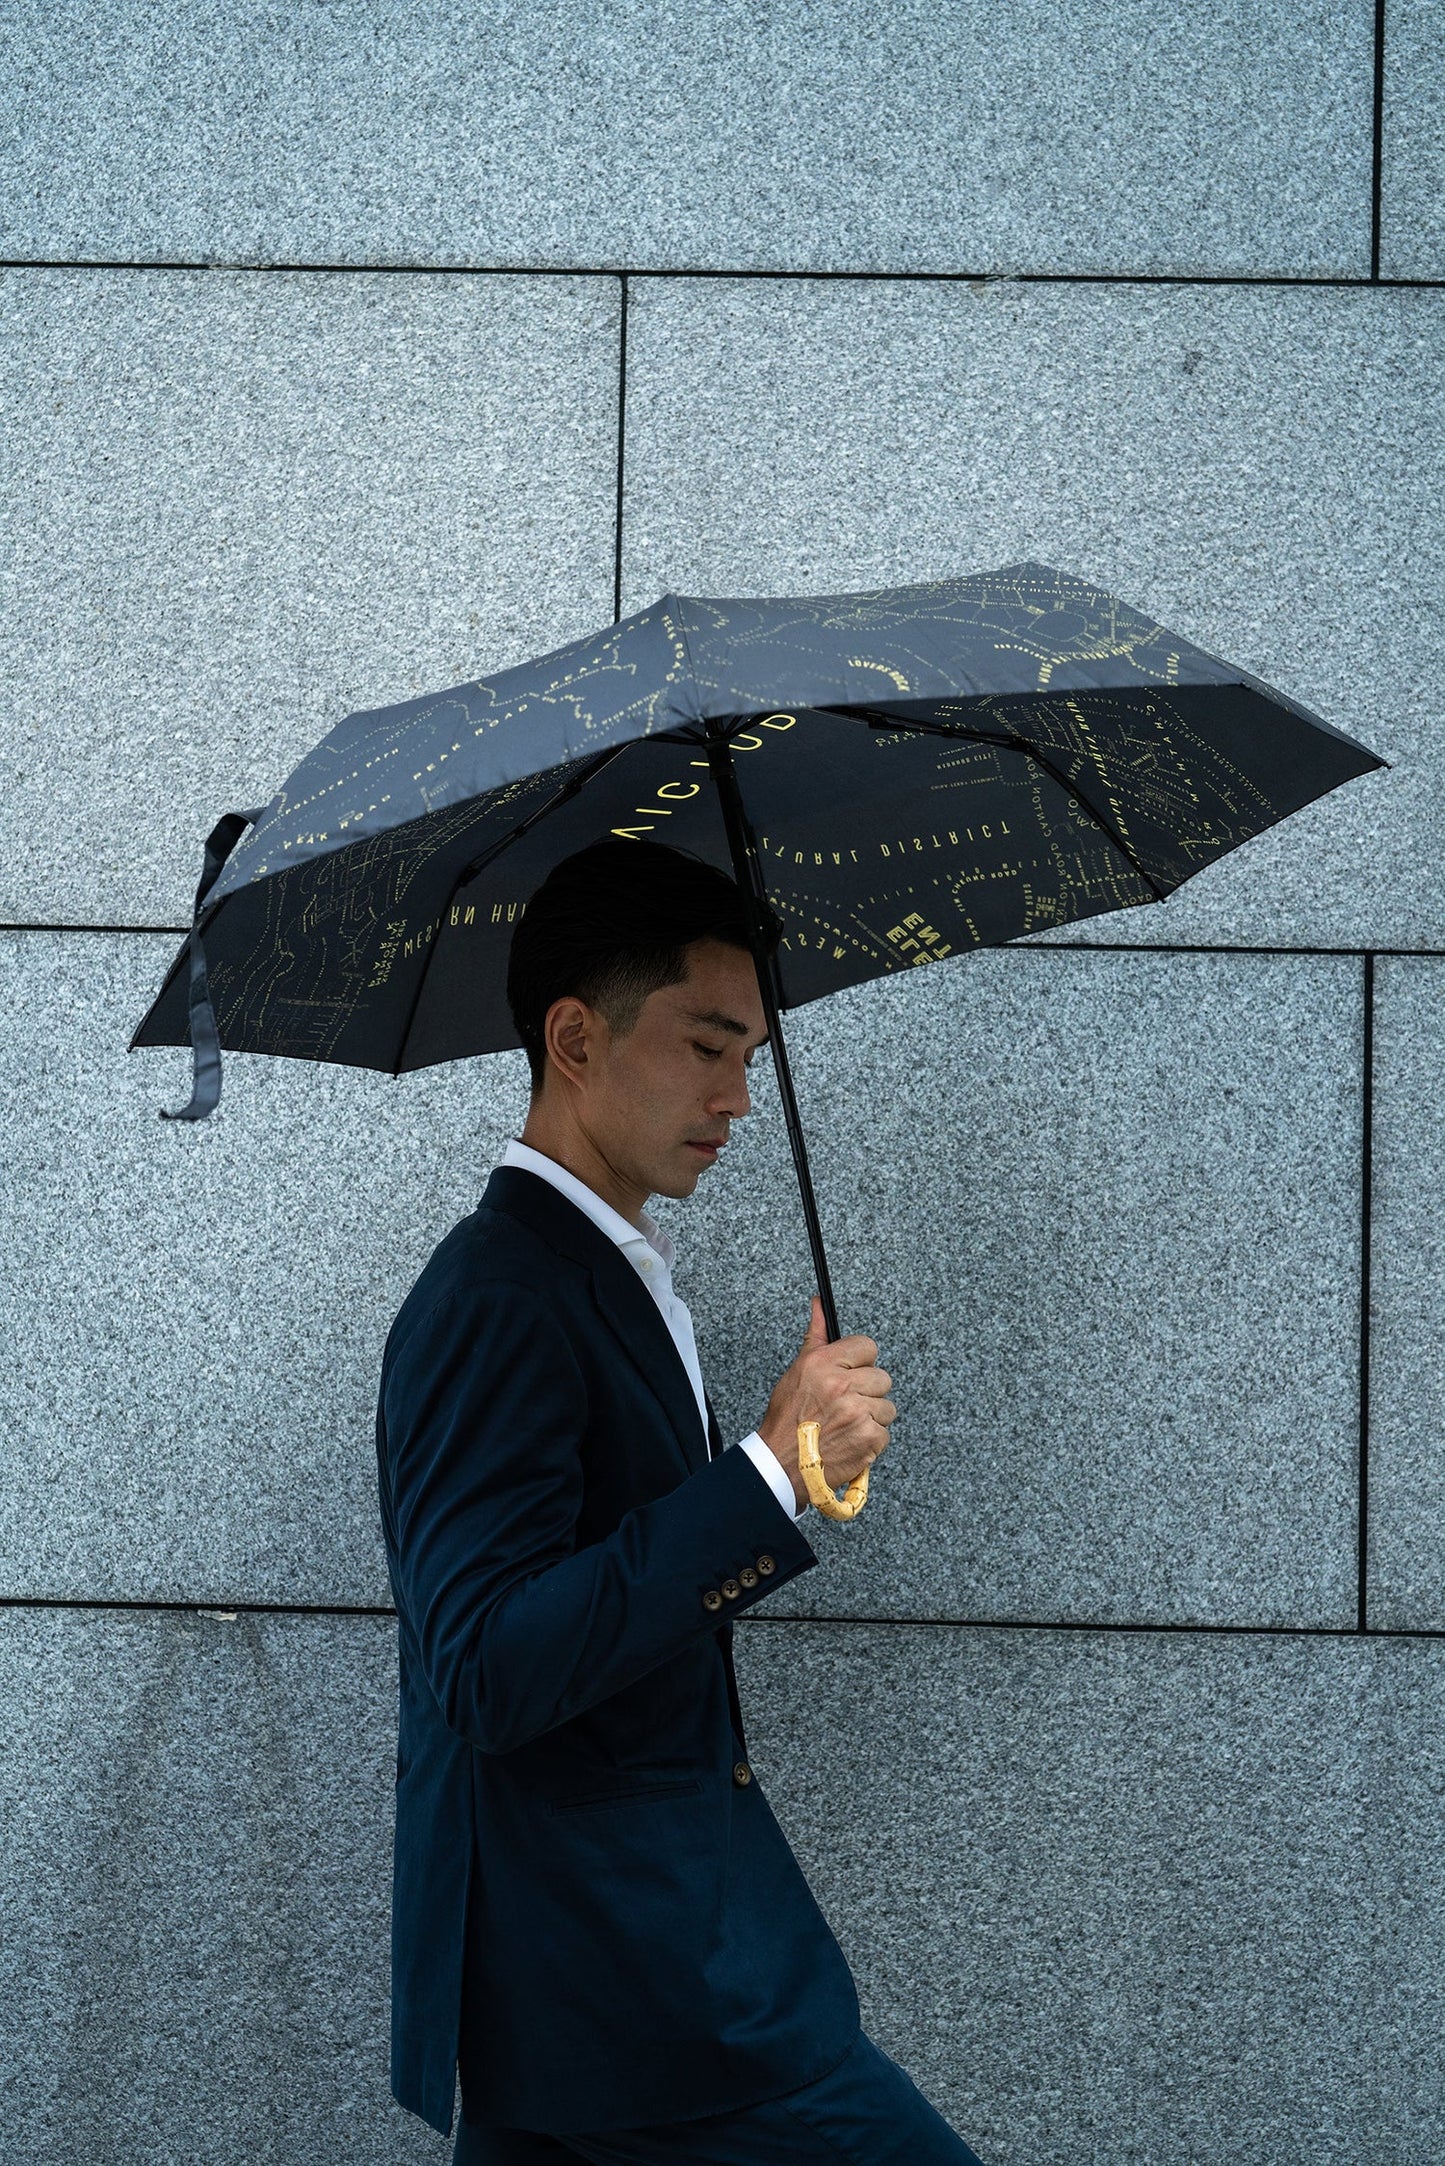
[{"x": 734, "y": 1099}]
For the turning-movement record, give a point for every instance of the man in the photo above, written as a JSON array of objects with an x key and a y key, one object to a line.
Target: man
[{"x": 597, "y": 1921}]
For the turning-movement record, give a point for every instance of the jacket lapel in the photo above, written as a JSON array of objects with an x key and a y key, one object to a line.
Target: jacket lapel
[
  {"x": 637, "y": 1321},
  {"x": 633, "y": 1315}
]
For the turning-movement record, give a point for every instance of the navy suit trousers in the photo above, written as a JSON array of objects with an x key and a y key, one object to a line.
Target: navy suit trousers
[{"x": 864, "y": 2112}]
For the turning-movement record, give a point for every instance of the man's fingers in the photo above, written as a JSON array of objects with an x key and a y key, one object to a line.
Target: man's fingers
[
  {"x": 854, "y": 1352},
  {"x": 817, "y": 1331},
  {"x": 871, "y": 1416}
]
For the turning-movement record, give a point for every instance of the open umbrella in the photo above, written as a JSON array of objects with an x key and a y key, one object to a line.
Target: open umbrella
[{"x": 900, "y": 776}]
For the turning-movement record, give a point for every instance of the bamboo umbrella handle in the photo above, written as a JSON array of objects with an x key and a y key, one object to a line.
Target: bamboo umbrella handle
[{"x": 816, "y": 1482}]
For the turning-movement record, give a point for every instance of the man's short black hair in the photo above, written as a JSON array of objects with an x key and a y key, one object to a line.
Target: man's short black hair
[{"x": 608, "y": 925}]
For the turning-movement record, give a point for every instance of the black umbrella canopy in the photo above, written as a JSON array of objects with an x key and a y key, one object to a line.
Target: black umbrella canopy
[{"x": 919, "y": 771}]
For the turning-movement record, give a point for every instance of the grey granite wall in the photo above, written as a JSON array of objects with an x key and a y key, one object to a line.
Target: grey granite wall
[{"x": 348, "y": 349}]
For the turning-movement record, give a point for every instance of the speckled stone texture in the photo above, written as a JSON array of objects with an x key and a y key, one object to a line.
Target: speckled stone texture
[
  {"x": 1127, "y": 1898},
  {"x": 195, "y": 1907},
  {"x": 240, "y": 506},
  {"x": 1101, "y": 1214},
  {"x": 194, "y": 1343},
  {"x": 1262, "y": 469},
  {"x": 1412, "y": 157},
  {"x": 1407, "y": 1299},
  {"x": 1133, "y": 1897},
  {"x": 1155, "y": 1899},
  {"x": 1013, "y": 138}
]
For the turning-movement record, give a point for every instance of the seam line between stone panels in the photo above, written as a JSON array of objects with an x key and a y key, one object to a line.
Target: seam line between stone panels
[
  {"x": 1007, "y": 947},
  {"x": 1377, "y": 140},
  {"x": 239, "y": 1608},
  {"x": 1367, "y": 1157},
  {"x": 613, "y": 270},
  {"x": 621, "y": 455}
]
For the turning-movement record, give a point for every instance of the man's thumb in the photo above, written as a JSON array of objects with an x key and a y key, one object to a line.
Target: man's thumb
[{"x": 817, "y": 1331}]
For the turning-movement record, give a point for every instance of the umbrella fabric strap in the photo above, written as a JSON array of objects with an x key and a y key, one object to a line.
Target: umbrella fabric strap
[
  {"x": 205, "y": 1038},
  {"x": 815, "y": 1479}
]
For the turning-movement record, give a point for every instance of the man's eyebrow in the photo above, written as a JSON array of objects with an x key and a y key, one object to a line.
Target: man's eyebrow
[{"x": 714, "y": 1019}]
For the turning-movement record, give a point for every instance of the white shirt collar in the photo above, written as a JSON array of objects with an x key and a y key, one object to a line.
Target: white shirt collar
[
  {"x": 646, "y": 1249},
  {"x": 612, "y": 1223}
]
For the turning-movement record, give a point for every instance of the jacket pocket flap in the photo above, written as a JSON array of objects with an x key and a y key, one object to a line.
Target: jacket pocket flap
[{"x": 622, "y": 1793}]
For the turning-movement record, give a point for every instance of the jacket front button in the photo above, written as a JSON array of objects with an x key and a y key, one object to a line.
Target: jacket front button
[
  {"x": 712, "y": 1599},
  {"x": 748, "y": 1576},
  {"x": 742, "y": 1774},
  {"x": 731, "y": 1589},
  {"x": 767, "y": 1564}
]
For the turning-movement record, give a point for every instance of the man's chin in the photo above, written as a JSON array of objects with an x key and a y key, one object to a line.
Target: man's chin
[
  {"x": 679, "y": 1181},
  {"x": 681, "y": 1185}
]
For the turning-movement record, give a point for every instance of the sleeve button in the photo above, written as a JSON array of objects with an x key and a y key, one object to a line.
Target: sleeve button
[
  {"x": 748, "y": 1576},
  {"x": 742, "y": 1774},
  {"x": 731, "y": 1589},
  {"x": 767, "y": 1564},
  {"x": 712, "y": 1599}
]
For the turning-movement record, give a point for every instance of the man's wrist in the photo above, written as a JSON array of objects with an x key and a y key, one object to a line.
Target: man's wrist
[{"x": 768, "y": 1464}]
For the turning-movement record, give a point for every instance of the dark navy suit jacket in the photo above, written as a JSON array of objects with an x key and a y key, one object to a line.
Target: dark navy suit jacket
[{"x": 596, "y": 1918}]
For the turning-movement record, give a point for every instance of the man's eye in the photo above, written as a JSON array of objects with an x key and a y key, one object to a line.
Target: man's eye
[{"x": 713, "y": 1052}]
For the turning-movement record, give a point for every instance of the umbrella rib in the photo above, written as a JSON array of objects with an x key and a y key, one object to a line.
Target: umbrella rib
[
  {"x": 1012, "y": 742},
  {"x": 485, "y": 857}
]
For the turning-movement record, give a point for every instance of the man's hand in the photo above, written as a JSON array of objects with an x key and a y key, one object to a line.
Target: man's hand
[{"x": 838, "y": 1385}]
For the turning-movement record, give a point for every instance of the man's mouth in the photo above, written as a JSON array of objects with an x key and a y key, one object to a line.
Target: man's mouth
[{"x": 708, "y": 1150}]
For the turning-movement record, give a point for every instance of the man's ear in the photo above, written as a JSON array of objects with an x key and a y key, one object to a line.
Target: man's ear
[{"x": 571, "y": 1032}]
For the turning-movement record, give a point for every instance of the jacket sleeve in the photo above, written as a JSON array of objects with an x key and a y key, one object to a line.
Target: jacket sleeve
[{"x": 483, "y": 1410}]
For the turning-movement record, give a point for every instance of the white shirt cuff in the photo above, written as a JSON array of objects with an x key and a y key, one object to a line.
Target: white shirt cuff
[{"x": 767, "y": 1463}]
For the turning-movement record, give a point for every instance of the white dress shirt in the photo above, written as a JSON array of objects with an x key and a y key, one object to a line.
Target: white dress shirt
[{"x": 651, "y": 1253}]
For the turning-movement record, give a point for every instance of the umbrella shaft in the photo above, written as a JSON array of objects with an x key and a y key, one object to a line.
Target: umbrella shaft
[{"x": 748, "y": 874}]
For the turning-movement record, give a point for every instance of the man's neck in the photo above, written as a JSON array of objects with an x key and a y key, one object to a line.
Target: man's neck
[{"x": 568, "y": 1146}]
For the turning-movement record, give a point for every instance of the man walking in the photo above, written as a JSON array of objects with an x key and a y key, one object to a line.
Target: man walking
[{"x": 597, "y": 1922}]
